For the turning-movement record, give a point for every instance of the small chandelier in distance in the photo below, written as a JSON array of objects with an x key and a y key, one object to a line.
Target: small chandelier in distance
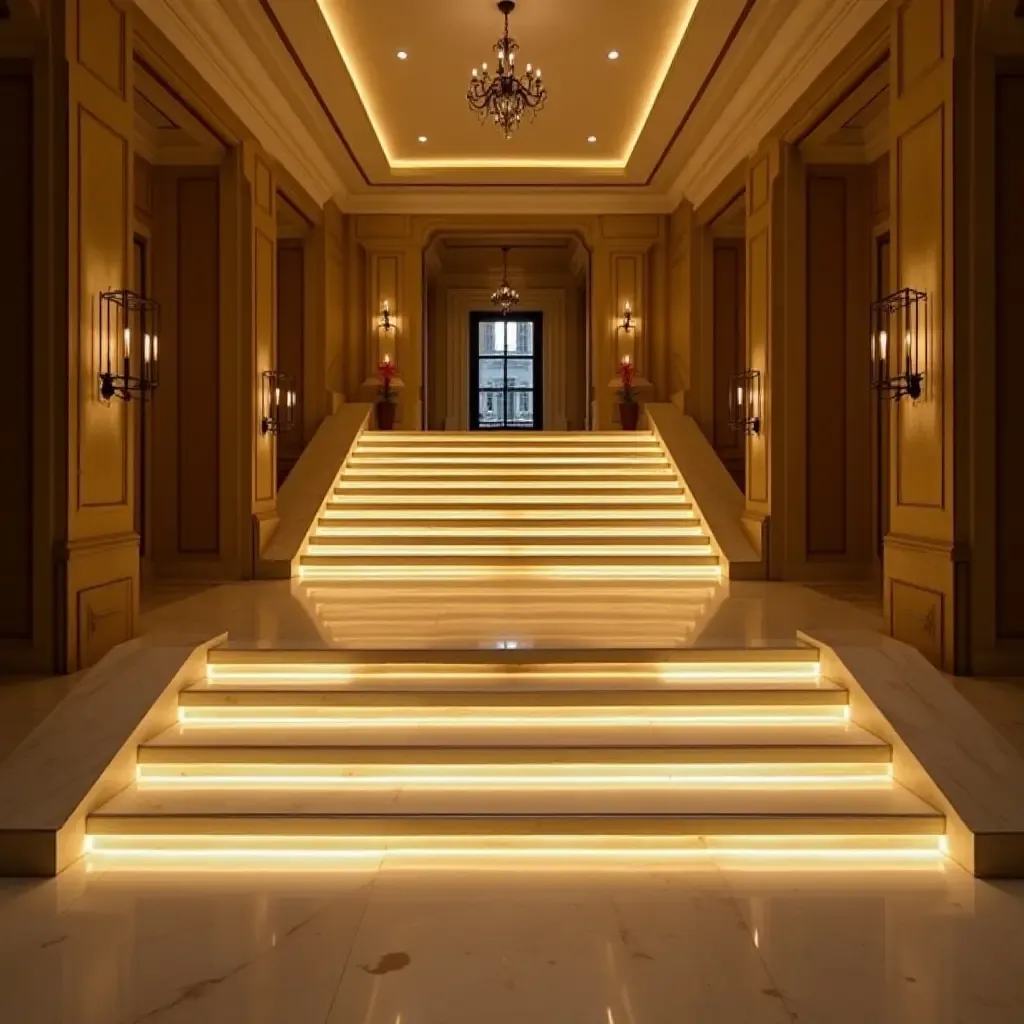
[
  {"x": 505, "y": 297},
  {"x": 507, "y": 96}
]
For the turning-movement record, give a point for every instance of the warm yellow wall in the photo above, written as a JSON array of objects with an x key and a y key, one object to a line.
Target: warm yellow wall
[
  {"x": 557, "y": 297},
  {"x": 920, "y": 575},
  {"x": 629, "y": 260}
]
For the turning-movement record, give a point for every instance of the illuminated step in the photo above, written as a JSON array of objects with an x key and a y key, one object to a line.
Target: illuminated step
[
  {"x": 529, "y": 811},
  {"x": 322, "y": 736},
  {"x": 540, "y": 547},
  {"x": 520, "y": 667},
  {"x": 430, "y": 565},
  {"x": 617, "y": 486},
  {"x": 577, "y": 438},
  {"x": 554, "y": 529},
  {"x": 516, "y": 508},
  {"x": 540, "y": 694},
  {"x": 570, "y": 455},
  {"x": 551, "y": 852}
]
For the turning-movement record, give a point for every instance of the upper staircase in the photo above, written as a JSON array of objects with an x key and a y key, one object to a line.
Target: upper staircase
[{"x": 515, "y": 505}]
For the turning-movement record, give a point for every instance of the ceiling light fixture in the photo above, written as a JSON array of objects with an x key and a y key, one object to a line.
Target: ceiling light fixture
[
  {"x": 613, "y": 54},
  {"x": 507, "y": 96},
  {"x": 591, "y": 138},
  {"x": 421, "y": 138},
  {"x": 505, "y": 297},
  {"x": 401, "y": 55}
]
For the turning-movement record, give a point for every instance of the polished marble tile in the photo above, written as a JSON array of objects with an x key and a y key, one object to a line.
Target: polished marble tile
[{"x": 705, "y": 943}]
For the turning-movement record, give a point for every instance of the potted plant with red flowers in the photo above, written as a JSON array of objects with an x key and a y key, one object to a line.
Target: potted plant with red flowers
[
  {"x": 386, "y": 395},
  {"x": 629, "y": 407}
]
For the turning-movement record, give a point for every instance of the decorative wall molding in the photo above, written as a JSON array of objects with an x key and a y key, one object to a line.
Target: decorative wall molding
[
  {"x": 232, "y": 58},
  {"x": 810, "y": 39}
]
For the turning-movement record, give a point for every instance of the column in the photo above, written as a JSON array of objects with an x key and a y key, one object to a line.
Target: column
[
  {"x": 69, "y": 550},
  {"x": 922, "y": 559}
]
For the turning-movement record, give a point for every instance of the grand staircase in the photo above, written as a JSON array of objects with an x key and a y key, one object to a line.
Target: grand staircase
[
  {"x": 530, "y": 506},
  {"x": 511, "y": 748}
]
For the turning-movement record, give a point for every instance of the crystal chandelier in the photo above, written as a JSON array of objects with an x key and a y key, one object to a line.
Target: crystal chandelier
[
  {"x": 506, "y": 97},
  {"x": 505, "y": 297}
]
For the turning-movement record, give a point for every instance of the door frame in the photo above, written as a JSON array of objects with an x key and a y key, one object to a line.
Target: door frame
[{"x": 476, "y": 318}]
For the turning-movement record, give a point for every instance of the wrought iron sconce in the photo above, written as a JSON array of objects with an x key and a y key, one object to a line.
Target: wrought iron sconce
[
  {"x": 897, "y": 316},
  {"x": 129, "y": 329},
  {"x": 278, "y": 401},
  {"x": 384, "y": 321},
  {"x": 745, "y": 402},
  {"x": 627, "y": 319}
]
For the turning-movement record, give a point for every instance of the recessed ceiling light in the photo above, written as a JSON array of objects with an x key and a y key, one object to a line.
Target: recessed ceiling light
[
  {"x": 401, "y": 55},
  {"x": 591, "y": 138},
  {"x": 613, "y": 54},
  {"x": 421, "y": 138}
]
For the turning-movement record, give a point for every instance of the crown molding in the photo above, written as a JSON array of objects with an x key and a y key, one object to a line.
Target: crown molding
[
  {"x": 207, "y": 36},
  {"x": 526, "y": 201},
  {"x": 810, "y": 39}
]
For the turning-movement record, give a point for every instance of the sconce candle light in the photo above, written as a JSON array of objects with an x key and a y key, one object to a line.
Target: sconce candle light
[
  {"x": 278, "y": 401},
  {"x": 897, "y": 316},
  {"x": 384, "y": 322},
  {"x": 627, "y": 319},
  {"x": 745, "y": 402},
  {"x": 126, "y": 317}
]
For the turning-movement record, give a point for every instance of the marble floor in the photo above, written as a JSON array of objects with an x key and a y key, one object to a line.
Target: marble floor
[
  {"x": 708, "y": 941},
  {"x": 705, "y": 944}
]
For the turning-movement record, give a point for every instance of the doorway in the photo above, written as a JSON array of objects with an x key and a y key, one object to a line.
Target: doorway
[{"x": 506, "y": 389}]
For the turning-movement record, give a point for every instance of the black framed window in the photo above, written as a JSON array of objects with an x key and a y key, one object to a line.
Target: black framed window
[{"x": 506, "y": 388}]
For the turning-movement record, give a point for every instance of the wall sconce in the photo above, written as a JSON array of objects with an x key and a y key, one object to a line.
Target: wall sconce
[
  {"x": 897, "y": 316},
  {"x": 129, "y": 329},
  {"x": 745, "y": 402},
  {"x": 627, "y": 319},
  {"x": 384, "y": 321},
  {"x": 277, "y": 401}
]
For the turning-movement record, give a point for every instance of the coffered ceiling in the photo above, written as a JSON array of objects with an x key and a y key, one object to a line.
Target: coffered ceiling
[
  {"x": 696, "y": 86},
  {"x": 632, "y": 106}
]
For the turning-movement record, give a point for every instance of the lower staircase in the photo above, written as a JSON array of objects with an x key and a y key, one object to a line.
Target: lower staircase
[{"x": 331, "y": 756}]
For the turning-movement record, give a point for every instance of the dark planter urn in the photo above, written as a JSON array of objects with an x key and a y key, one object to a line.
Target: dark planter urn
[
  {"x": 629, "y": 413},
  {"x": 385, "y": 415}
]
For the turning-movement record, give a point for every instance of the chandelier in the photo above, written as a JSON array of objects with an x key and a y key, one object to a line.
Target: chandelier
[
  {"x": 506, "y": 97},
  {"x": 505, "y": 297}
]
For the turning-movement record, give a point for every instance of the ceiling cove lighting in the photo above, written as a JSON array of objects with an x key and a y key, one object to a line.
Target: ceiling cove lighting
[
  {"x": 506, "y": 96},
  {"x": 505, "y": 297}
]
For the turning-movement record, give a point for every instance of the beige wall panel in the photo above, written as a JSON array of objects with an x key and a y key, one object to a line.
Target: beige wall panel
[
  {"x": 263, "y": 187},
  {"x": 1009, "y": 332},
  {"x": 382, "y": 225},
  {"x": 729, "y": 341},
  {"x": 104, "y": 618},
  {"x": 758, "y": 185},
  {"x": 758, "y": 309},
  {"x": 143, "y": 188},
  {"x": 917, "y": 616},
  {"x": 920, "y": 427},
  {"x": 101, "y": 42},
  {"x": 880, "y": 189},
  {"x": 103, "y": 220},
  {"x": 264, "y": 289},
  {"x": 630, "y": 226},
  {"x": 16, "y": 290},
  {"x": 198, "y": 376},
  {"x": 291, "y": 307},
  {"x": 919, "y": 40},
  {"x": 826, "y": 383}
]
